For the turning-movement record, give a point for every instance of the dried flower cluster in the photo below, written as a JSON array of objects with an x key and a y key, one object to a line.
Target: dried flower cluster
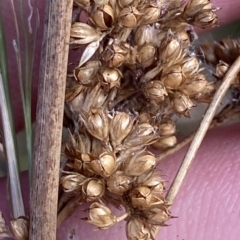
[{"x": 138, "y": 68}]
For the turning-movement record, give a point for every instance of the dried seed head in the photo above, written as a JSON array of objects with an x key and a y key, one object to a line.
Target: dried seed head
[
  {"x": 20, "y": 228},
  {"x": 125, "y": 3},
  {"x": 97, "y": 124},
  {"x": 207, "y": 94},
  {"x": 85, "y": 4},
  {"x": 170, "y": 48},
  {"x": 115, "y": 54},
  {"x": 190, "y": 66},
  {"x": 194, "y": 86},
  {"x": 144, "y": 197},
  {"x": 165, "y": 143},
  {"x": 144, "y": 117},
  {"x": 155, "y": 91},
  {"x": 111, "y": 76},
  {"x": 86, "y": 74},
  {"x": 139, "y": 163},
  {"x": 101, "y": 216},
  {"x": 172, "y": 77},
  {"x": 205, "y": 19},
  {"x": 83, "y": 33},
  {"x": 167, "y": 127},
  {"x": 72, "y": 182},
  {"x": 194, "y": 6},
  {"x": 183, "y": 37},
  {"x": 103, "y": 17},
  {"x": 105, "y": 165},
  {"x": 156, "y": 183},
  {"x": 146, "y": 55},
  {"x": 93, "y": 189},
  {"x": 221, "y": 69},
  {"x": 119, "y": 183},
  {"x": 158, "y": 215},
  {"x": 181, "y": 104},
  {"x": 137, "y": 229},
  {"x": 128, "y": 17},
  {"x": 120, "y": 126},
  {"x": 144, "y": 34},
  {"x": 150, "y": 14},
  {"x": 142, "y": 135}
]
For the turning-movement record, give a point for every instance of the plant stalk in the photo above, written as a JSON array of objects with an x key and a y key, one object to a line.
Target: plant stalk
[{"x": 49, "y": 120}]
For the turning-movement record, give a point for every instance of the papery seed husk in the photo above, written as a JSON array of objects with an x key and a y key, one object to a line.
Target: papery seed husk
[
  {"x": 194, "y": 86},
  {"x": 139, "y": 163},
  {"x": 190, "y": 66},
  {"x": 142, "y": 135},
  {"x": 136, "y": 229},
  {"x": 120, "y": 126},
  {"x": 205, "y": 19},
  {"x": 144, "y": 34},
  {"x": 86, "y": 73},
  {"x": 20, "y": 228},
  {"x": 150, "y": 15},
  {"x": 112, "y": 76},
  {"x": 155, "y": 91},
  {"x": 105, "y": 165},
  {"x": 207, "y": 94},
  {"x": 97, "y": 124},
  {"x": 101, "y": 216},
  {"x": 158, "y": 215},
  {"x": 146, "y": 55},
  {"x": 167, "y": 127},
  {"x": 129, "y": 17},
  {"x": 181, "y": 104},
  {"x": 93, "y": 189},
  {"x": 103, "y": 17},
  {"x": 72, "y": 182},
  {"x": 172, "y": 77},
  {"x": 83, "y": 33},
  {"x": 165, "y": 143},
  {"x": 221, "y": 69},
  {"x": 119, "y": 183}
]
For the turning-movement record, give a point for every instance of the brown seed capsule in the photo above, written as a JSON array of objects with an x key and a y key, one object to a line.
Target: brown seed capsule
[
  {"x": 83, "y": 33},
  {"x": 158, "y": 215},
  {"x": 207, "y": 94},
  {"x": 155, "y": 91},
  {"x": 93, "y": 189},
  {"x": 125, "y": 3},
  {"x": 72, "y": 182},
  {"x": 111, "y": 76},
  {"x": 142, "y": 135},
  {"x": 150, "y": 14},
  {"x": 190, "y": 66},
  {"x": 205, "y": 19},
  {"x": 97, "y": 124},
  {"x": 143, "y": 197},
  {"x": 221, "y": 69},
  {"x": 144, "y": 35},
  {"x": 139, "y": 163},
  {"x": 137, "y": 229},
  {"x": 181, "y": 104},
  {"x": 116, "y": 53},
  {"x": 20, "y": 228},
  {"x": 170, "y": 48},
  {"x": 119, "y": 183},
  {"x": 85, "y": 4},
  {"x": 128, "y": 17},
  {"x": 103, "y": 17},
  {"x": 167, "y": 127},
  {"x": 101, "y": 216},
  {"x": 120, "y": 126},
  {"x": 172, "y": 77},
  {"x": 193, "y": 86},
  {"x": 105, "y": 165},
  {"x": 86, "y": 74},
  {"x": 146, "y": 55},
  {"x": 194, "y": 6},
  {"x": 165, "y": 143}
]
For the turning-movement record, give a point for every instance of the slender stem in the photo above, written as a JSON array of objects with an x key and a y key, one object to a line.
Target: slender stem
[
  {"x": 206, "y": 121},
  {"x": 15, "y": 188},
  {"x": 47, "y": 145},
  {"x": 125, "y": 215}
]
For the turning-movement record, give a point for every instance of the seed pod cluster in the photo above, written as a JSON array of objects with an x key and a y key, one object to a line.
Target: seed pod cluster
[{"x": 137, "y": 70}]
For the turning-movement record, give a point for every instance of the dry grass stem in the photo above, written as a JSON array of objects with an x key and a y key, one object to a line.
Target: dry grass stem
[
  {"x": 44, "y": 192},
  {"x": 207, "y": 119},
  {"x": 15, "y": 188}
]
